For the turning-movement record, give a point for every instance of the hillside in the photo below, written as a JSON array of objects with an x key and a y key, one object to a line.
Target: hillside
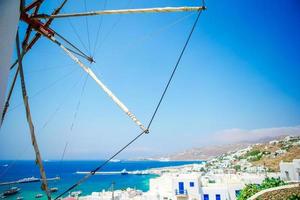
[
  {"x": 276, "y": 151},
  {"x": 259, "y": 157},
  {"x": 204, "y": 153}
]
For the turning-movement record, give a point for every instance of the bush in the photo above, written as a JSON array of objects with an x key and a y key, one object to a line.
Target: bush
[
  {"x": 248, "y": 191},
  {"x": 271, "y": 182},
  {"x": 255, "y": 158},
  {"x": 294, "y": 197},
  {"x": 251, "y": 189},
  {"x": 237, "y": 168},
  {"x": 253, "y": 153}
]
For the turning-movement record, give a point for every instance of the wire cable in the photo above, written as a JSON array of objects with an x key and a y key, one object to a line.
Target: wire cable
[
  {"x": 77, "y": 34},
  {"x": 79, "y": 52},
  {"x": 150, "y": 122},
  {"x": 98, "y": 30},
  {"x": 87, "y": 28},
  {"x": 73, "y": 121}
]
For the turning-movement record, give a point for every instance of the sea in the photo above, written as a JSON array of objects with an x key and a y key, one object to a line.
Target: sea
[{"x": 66, "y": 170}]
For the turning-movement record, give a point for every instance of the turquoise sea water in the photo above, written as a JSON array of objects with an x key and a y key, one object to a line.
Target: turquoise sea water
[{"x": 66, "y": 170}]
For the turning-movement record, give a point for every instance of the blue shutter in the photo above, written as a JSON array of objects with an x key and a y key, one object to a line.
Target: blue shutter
[
  {"x": 218, "y": 197},
  {"x": 192, "y": 184},
  {"x": 205, "y": 197}
]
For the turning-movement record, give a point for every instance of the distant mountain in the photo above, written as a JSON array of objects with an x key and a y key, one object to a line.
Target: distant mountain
[
  {"x": 209, "y": 152},
  {"x": 205, "y": 153}
]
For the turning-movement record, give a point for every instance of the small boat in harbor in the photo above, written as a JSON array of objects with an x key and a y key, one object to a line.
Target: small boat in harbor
[
  {"x": 54, "y": 189},
  {"x": 115, "y": 160},
  {"x": 124, "y": 172},
  {"x": 38, "y": 196},
  {"x": 20, "y": 198},
  {"x": 11, "y": 191},
  {"x": 76, "y": 193}
]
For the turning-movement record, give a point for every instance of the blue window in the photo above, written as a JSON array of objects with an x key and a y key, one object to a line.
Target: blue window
[
  {"x": 181, "y": 187},
  {"x": 205, "y": 197},
  {"x": 192, "y": 184},
  {"x": 218, "y": 197},
  {"x": 237, "y": 193}
]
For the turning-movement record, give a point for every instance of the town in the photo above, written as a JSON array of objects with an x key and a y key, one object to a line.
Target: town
[{"x": 222, "y": 178}]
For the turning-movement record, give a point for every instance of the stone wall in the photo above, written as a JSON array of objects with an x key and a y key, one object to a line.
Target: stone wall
[{"x": 281, "y": 194}]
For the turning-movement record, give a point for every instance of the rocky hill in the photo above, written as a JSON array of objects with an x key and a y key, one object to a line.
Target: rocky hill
[
  {"x": 275, "y": 151},
  {"x": 206, "y": 153},
  {"x": 259, "y": 157}
]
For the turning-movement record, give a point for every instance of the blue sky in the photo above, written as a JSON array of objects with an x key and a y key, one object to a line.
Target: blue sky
[{"x": 240, "y": 71}]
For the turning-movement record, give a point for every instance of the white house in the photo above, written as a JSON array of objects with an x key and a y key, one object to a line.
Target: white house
[
  {"x": 187, "y": 186},
  {"x": 193, "y": 186},
  {"x": 290, "y": 171}
]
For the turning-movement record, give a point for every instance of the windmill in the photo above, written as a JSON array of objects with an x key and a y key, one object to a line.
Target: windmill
[{"x": 16, "y": 11}]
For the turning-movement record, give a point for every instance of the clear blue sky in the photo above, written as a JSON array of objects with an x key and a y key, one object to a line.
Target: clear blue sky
[{"x": 241, "y": 70}]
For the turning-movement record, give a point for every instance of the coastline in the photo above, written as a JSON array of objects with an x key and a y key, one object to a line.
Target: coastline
[{"x": 67, "y": 171}]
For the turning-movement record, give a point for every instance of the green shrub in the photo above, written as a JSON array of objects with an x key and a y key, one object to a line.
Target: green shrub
[
  {"x": 271, "y": 182},
  {"x": 253, "y": 153},
  {"x": 252, "y": 189},
  {"x": 237, "y": 168},
  {"x": 248, "y": 191},
  {"x": 255, "y": 158},
  {"x": 294, "y": 197},
  {"x": 211, "y": 181}
]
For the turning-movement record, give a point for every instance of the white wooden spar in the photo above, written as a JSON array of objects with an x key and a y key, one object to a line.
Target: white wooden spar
[
  {"x": 102, "y": 85},
  {"x": 125, "y": 11},
  {"x": 10, "y": 12}
]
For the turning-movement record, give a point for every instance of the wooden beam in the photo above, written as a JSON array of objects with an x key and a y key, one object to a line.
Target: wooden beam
[
  {"x": 90, "y": 72},
  {"x": 30, "y": 123},
  {"x": 125, "y": 11}
]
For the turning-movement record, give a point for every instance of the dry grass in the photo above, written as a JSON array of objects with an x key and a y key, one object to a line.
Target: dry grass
[
  {"x": 273, "y": 163},
  {"x": 282, "y": 194}
]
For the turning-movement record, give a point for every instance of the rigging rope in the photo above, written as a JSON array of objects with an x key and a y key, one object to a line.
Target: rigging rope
[
  {"x": 6, "y": 105},
  {"x": 98, "y": 30},
  {"x": 113, "y": 27},
  {"x": 80, "y": 53},
  {"x": 24, "y": 151},
  {"x": 87, "y": 28},
  {"x": 150, "y": 122},
  {"x": 77, "y": 34},
  {"x": 45, "y": 88},
  {"x": 72, "y": 124}
]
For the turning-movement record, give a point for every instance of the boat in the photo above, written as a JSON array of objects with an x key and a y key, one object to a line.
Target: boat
[
  {"x": 140, "y": 172},
  {"x": 76, "y": 193},
  {"x": 11, "y": 191},
  {"x": 20, "y": 198},
  {"x": 54, "y": 189},
  {"x": 124, "y": 172},
  {"x": 115, "y": 160},
  {"x": 28, "y": 180},
  {"x": 38, "y": 196}
]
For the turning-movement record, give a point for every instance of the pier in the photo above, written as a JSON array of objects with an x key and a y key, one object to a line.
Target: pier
[
  {"x": 28, "y": 180},
  {"x": 123, "y": 172}
]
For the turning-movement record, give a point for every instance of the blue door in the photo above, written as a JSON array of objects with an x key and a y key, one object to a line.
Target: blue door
[
  {"x": 218, "y": 197},
  {"x": 205, "y": 197},
  {"x": 181, "y": 187}
]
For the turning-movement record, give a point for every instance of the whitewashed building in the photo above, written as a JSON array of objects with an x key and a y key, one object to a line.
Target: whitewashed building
[
  {"x": 290, "y": 171},
  {"x": 193, "y": 186}
]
